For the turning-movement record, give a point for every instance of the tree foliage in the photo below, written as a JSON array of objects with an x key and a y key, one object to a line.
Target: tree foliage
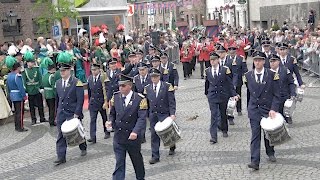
[{"x": 51, "y": 12}]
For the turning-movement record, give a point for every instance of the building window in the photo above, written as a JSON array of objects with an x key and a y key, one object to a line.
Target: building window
[
  {"x": 167, "y": 26},
  {"x": 37, "y": 29},
  {"x": 167, "y": 10},
  {"x": 160, "y": 26},
  {"x": 160, "y": 10},
  {"x": 9, "y": 1},
  {"x": 142, "y": 11},
  {"x": 12, "y": 30},
  {"x": 142, "y": 26}
]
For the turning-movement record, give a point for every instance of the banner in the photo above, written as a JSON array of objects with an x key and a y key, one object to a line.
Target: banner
[{"x": 169, "y": 5}]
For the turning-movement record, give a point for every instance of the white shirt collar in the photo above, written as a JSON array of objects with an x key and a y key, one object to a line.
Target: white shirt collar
[
  {"x": 66, "y": 81},
  {"x": 217, "y": 70},
  {"x": 158, "y": 87},
  {"x": 262, "y": 73},
  {"x": 277, "y": 70},
  {"x": 165, "y": 66},
  {"x": 128, "y": 98}
]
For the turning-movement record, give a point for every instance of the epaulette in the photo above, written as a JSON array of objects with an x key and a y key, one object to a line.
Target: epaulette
[
  {"x": 144, "y": 104},
  {"x": 174, "y": 66},
  {"x": 145, "y": 90},
  {"x": 294, "y": 60},
  {"x": 228, "y": 70},
  {"x": 170, "y": 87},
  {"x": 288, "y": 71},
  {"x": 112, "y": 101},
  {"x": 244, "y": 79},
  {"x": 165, "y": 71},
  {"x": 141, "y": 95},
  {"x": 79, "y": 84},
  {"x": 276, "y": 76}
]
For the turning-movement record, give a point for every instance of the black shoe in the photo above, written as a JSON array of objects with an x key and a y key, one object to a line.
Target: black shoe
[
  {"x": 52, "y": 125},
  {"x": 171, "y": 152},
  {"x": 239, "y": 113},
  {"x": 33, "y": 123},
  {"x": 213, "y": 141},
  {"x": 59, "y": 161},
  {"x": 202, "y": 77},
  {"x": 143, "y": 140},
  {"x": 185, "y": 78},
  {"x": 83, "y": 153},
  {"x": 92, "y": 141},
  {"x": 272, "y": 158},
  {"x": 253, "y": 166},
  {"x": 43, "y": 121},
  {"x": 153, "y": 161},
  {"x": 231, "y": 122},
  {"x": 225, "y": 134},
  {"x": 22, "y": 130},
  {"x": 107, "y": 136},
  {"x": 289, "y": 120}
]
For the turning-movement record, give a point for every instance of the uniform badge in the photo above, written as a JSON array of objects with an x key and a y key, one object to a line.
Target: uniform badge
[
  {"x": 112, "y": 101},
  {"x": 276, "y": 76},
  {"x": 294, "y": 60},
  {"x": 165, "y": 71},
  {"x": 234, "y": 63},
  {"x": 171, "y": 88},
  {"x": 143, "y": 104},
  {"x": 145, "y": 91},
  {"x": 228, "y": 71},
  {"x": 288, "y": 71},
  {"x": 79, "y": 84}
]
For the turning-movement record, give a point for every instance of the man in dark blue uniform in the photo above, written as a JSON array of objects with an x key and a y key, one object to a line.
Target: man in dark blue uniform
[
  {"x": 290, "y": 62},
  {"x": 113, "y": 76},
  {"x": 16, "y": 91},
  {"x": 142, "y": 79},
  {"x": 238, "y": 69},
  {"x": 286, "y": 82},
  {"x": 97, "y": 100},
  {"x": 156, "y": 64},
  {"x": 218, "y": 89},
  {"x": 69, "y": 99},
  {"x": 132, "y": 57},
  {"x": 263, "y": 85},
  {"x": 170, "y": 71},
  {"x": 128, "y": 116},
  {"x": 152, "y": 52},
  {"x": 267, "y": 49},
  {"x": 162, "y": 104}
]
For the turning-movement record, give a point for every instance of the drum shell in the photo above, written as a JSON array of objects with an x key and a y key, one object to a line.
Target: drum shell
[
  {"x": 76, "y": 136},
  {"x": 300, "y": 93},
  {"x": 169, "y": 136},
  {"x": 277, "y": 136},
  {"x": 289, "y": 107},
  {"x": 231, "y": 107}
]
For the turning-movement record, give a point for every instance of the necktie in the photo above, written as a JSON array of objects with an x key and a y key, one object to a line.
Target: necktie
[
  {"x": 95, "y": 79},
  {"x": 215, "y": 73},
  {"x": 124, "y": 101},
  {"x": 222, "y": 63},
  {"x": 259, "y": 78},
  {"x": 284, "y": 61},
  {"x": 155, "y": 88},
  {"x": 64, "y": 84},
  {"x": 143, "y": 79}
]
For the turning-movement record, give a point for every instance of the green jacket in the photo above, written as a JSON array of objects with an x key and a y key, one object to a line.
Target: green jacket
[
  {"x": 32, "y": 80},
  {"x": 48, "y": 83}
]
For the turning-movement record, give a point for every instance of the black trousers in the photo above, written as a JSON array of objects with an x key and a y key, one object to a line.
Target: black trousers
[
  {"x": 18, "y": 114},
  {"x": 52, "y": 110},
  {"x": 134, "y": 151},
  {"x": 36, "y": 101},
  {"x": 93, "y": 121},
  {"x": 186, "y": 69},
  {"x": 202, "y": 65},
  {"x": 239, "y": 105},
  {"x": 281, "y": 111},
  {"x": 193, "y": 63}
]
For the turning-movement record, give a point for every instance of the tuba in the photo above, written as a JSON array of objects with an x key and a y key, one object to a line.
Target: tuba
[{"x": 186, "y": 46}]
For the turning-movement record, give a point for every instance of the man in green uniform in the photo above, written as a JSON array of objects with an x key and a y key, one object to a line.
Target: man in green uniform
[
  {"x": 32, "y": 82},
  {"x": 48, "y": 83}
]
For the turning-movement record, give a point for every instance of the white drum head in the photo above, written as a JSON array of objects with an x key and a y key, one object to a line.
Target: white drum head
[
  {"x": 70, "y": 125},
  {"x": 269, "y": 124},
  {"x": 165, "y": 124}
]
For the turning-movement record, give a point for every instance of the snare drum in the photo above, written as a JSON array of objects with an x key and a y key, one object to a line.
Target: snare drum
[
  {"x": 275, "y": 130},
  {"x": 168, "y": 131},
  {"x": 73, "y": 131},
  {"x": 300, "y": 93},
  {"x": 289, "y": 107},
  {"x": 231, "y": 107}
]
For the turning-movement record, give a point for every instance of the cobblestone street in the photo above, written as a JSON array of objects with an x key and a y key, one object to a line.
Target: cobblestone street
[{"x": 30, "y": 155}]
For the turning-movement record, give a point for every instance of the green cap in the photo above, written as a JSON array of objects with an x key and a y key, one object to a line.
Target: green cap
[
  {"x": 28, "y": 56},
  {"x": 45, "y": 62},
  {"x": 10, "y": 61},
  {"x": 64, "y": 60}
]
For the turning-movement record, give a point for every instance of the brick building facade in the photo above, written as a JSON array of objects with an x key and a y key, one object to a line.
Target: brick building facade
[
  {"x": 194, "y": 13},
  {"x": 26, "y": 25}
]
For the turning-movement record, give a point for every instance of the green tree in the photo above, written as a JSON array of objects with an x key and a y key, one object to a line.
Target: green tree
[{"x": 51, "y": 12}]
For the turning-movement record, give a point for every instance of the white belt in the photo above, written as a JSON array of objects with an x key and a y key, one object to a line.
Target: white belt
[
  {"x": 14, "y": 91},
  {"x": 47, "y": 88}
]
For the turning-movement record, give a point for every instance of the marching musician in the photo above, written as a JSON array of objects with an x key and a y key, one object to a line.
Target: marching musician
[
  {"x": 132, "y": 57},
  {"x": 203, "y": 49},
  {"x": 238, "y": 69},
  {"x": 151, "y": 54},
  {"x": 267, "y": 49},
  {"x": 218, "y": 89},
  {"x": 242, "y": 42},
  {"x": 170, "y": 71},
  {"x": 33, "y": 82},
  {"x": 128, "y": 116},
  {"x": 286, "y": 82},
  {"x": 162, "y": 101},
  {"x": 97, "y": 94},
  {"x": 290, "y": 62},
  {"x": 48, "y": 82},
  {"x": 142, "y": 79},
  {"x": 16, "y": 92},
  {"x": 263, "y": 85},
  {"x": 156, "y": 64},
  {"x": 186, "y": 55},
  {"x": 70, "y": 98}
]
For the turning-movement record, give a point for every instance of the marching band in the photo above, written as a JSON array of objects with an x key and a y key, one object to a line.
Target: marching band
[{"x": 143, "y": 89}]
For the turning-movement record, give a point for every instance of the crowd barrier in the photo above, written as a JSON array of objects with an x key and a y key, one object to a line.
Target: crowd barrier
[{"x": 308, "y": 61}]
